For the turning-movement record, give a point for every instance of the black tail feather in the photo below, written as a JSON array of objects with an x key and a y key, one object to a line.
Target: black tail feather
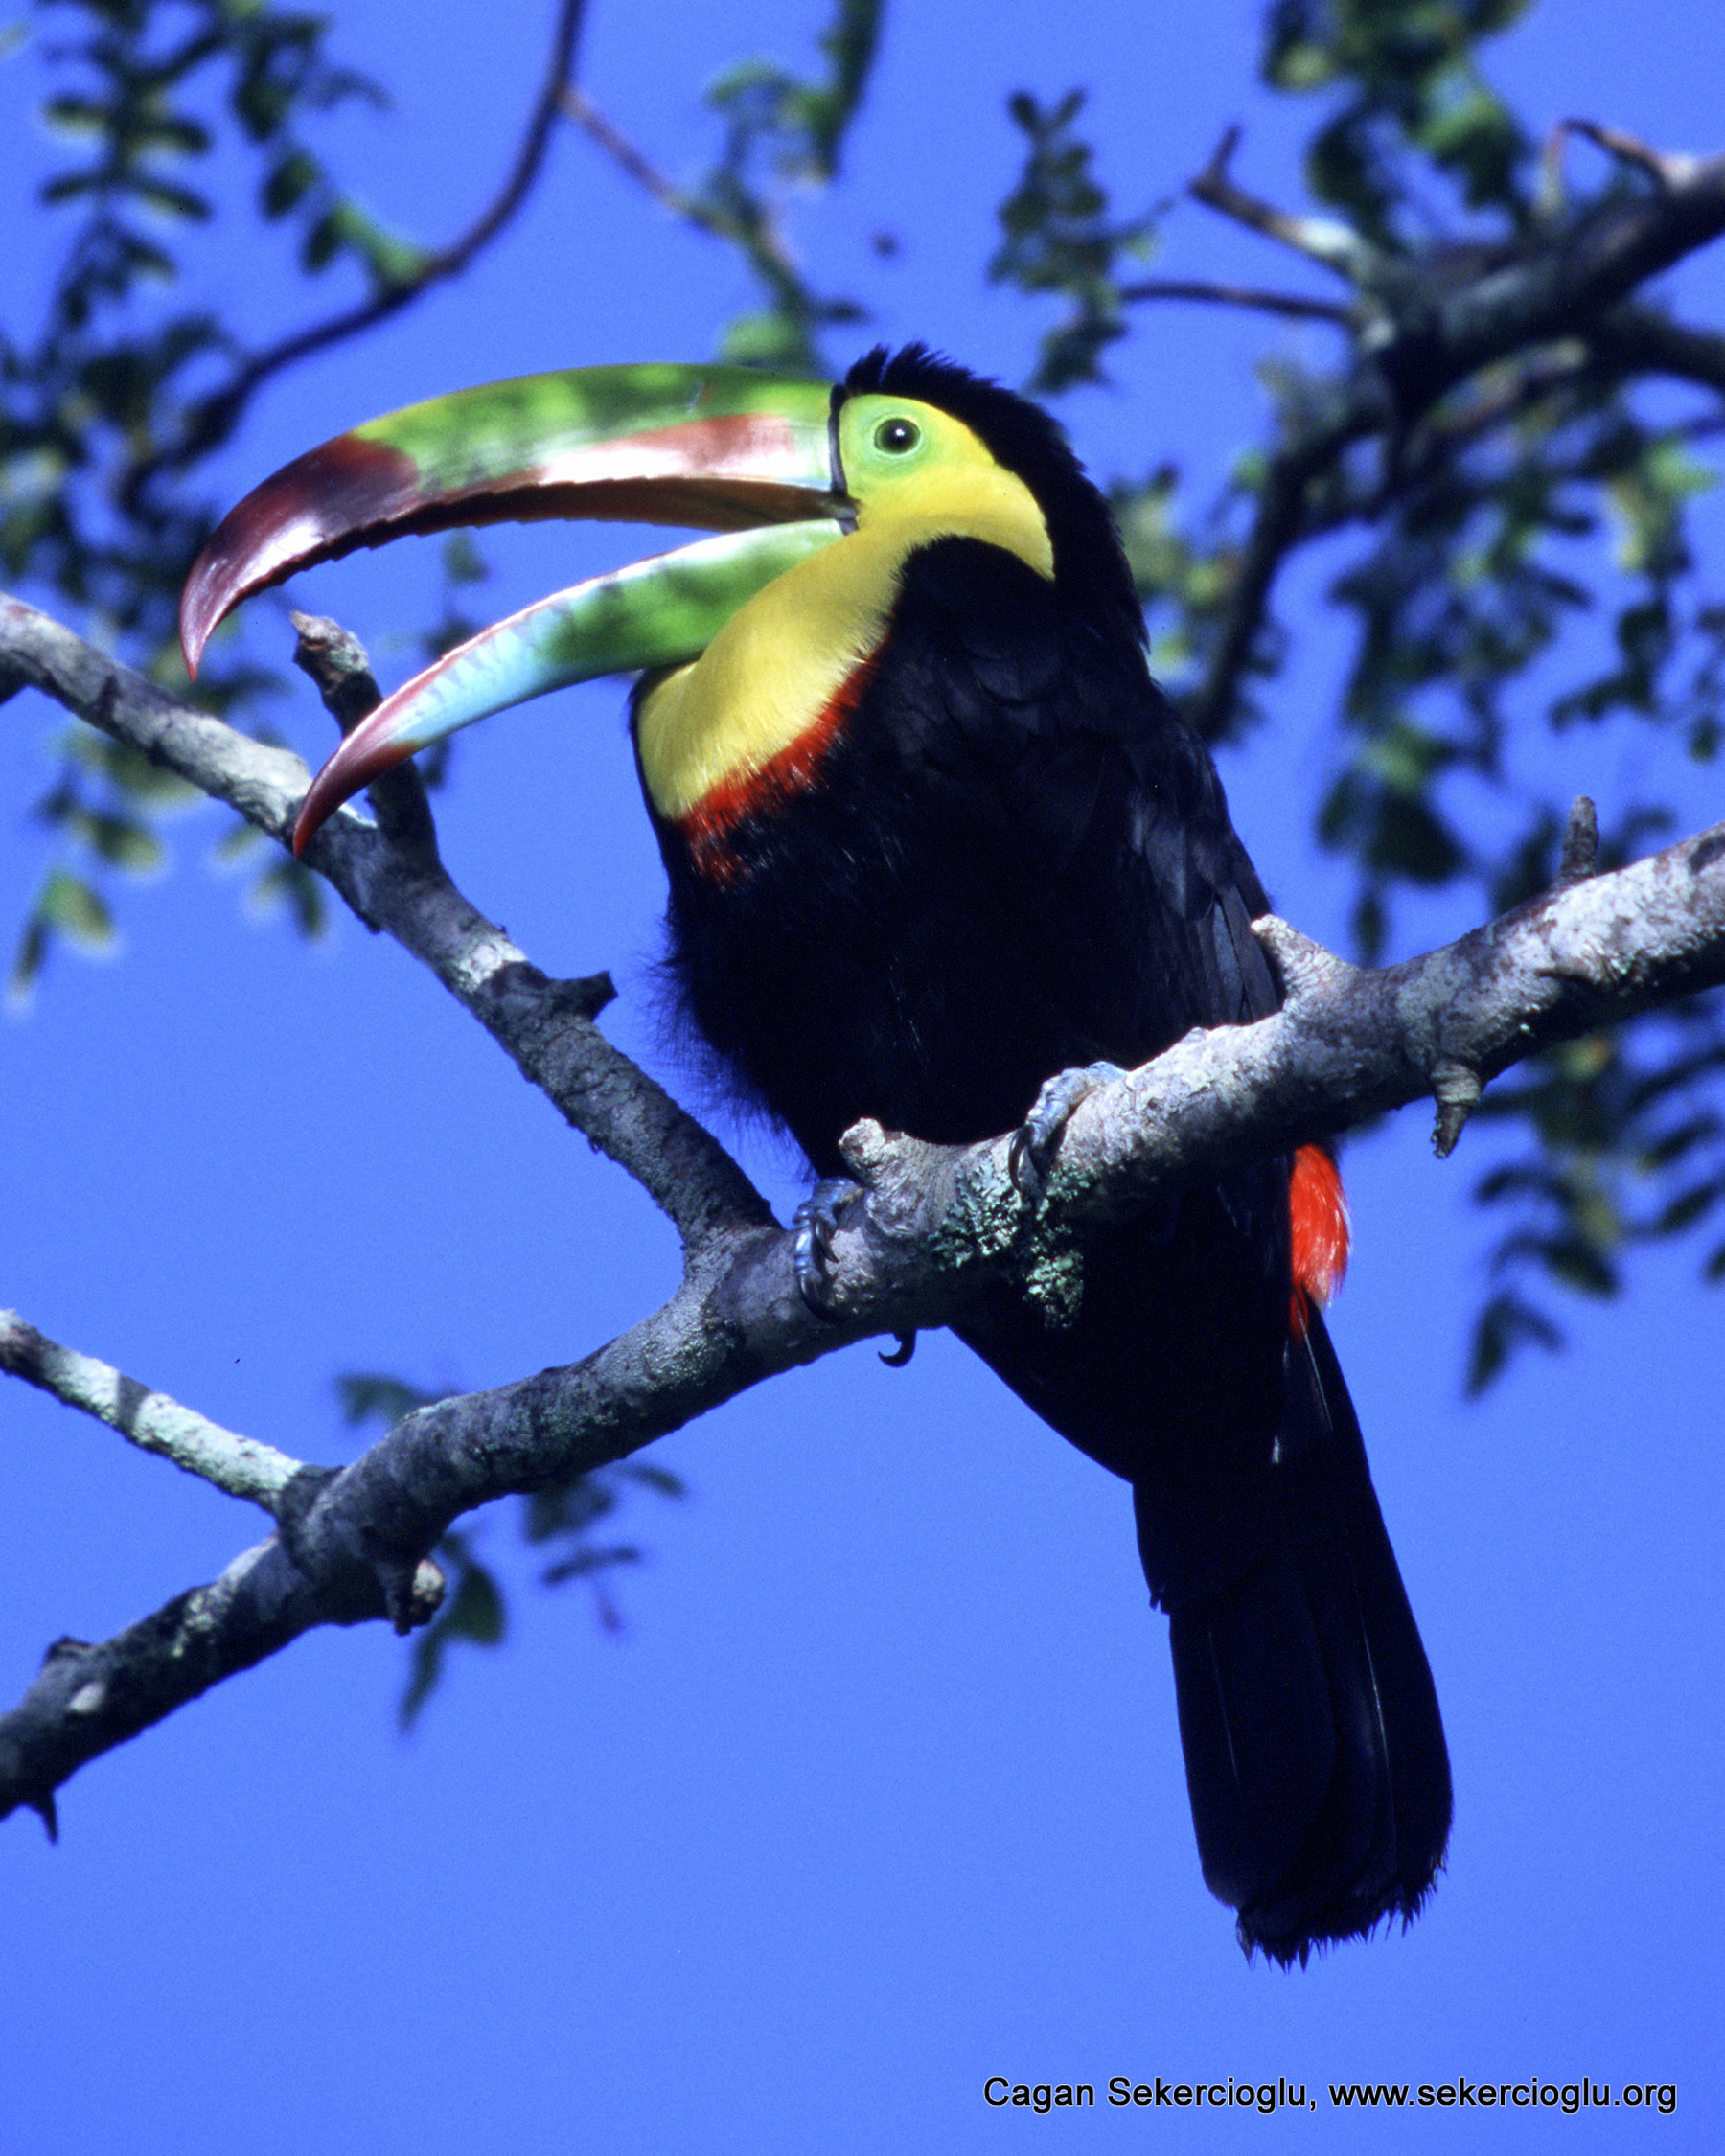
[
  {"x": 1314, "y": 1749},
  {"x": 1315, "y": 1753}
]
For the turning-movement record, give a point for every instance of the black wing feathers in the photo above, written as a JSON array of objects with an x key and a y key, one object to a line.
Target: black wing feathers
[{"x": 1099, "y": 812}]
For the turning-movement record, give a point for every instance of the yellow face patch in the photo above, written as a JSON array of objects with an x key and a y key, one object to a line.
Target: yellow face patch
[
  {"x": 916, "y": 474},
  {"x": 917, "y": 468}
]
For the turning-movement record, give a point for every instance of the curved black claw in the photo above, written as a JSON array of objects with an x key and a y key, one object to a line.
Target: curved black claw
[
  {"x": 1037, "y": 1139},
  {"x": 901, "y": 1353},
  {"x": 816, "y": 1222}
]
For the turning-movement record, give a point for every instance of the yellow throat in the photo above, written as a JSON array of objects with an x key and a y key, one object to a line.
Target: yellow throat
[{"x": 916, "y": 475}]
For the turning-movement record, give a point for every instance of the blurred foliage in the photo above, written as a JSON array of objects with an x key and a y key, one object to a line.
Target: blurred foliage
[
  {"x": 784, "y": 136},
  {"x": 1060, "y": 238},
  {"x": 1410, "y": 100},
  {"x": 1511, "y": 559},
  {"x": 558, "y": 1520}
]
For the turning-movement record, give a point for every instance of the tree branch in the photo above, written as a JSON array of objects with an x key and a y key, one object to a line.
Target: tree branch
[
  {"x": 335, "y": 659},
  {"x": 1640, "y": 341},
  {"x": 936, "y": 1224},
  {"x": 1214, "y": 294},
  {"x": 635, "y": 164},
  {"x": 759, "y": 238},
  {"x": 1428, "y": 322},
  {"x": 1321, "y": 239},
  {"x": 545, "y": 1025},
  {"x": 1282, "y": 521},
  {"x": 241, "y": 1466},
  {"x": 1664, "y": 168}
]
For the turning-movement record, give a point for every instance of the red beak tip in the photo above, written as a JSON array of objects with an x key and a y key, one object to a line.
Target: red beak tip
[{"x": 194, "y": 622}]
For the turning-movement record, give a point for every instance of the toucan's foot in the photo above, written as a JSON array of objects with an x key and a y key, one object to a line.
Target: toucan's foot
[
  {"x": 815, "y": 1222},
  {"x": 1037, "y": 1139}
]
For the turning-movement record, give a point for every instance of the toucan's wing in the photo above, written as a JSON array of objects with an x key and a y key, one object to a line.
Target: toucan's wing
[{"x": 1133, "y": 896}]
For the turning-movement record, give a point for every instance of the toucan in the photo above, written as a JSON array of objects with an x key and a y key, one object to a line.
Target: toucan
[{"x": 934, "y": 837}]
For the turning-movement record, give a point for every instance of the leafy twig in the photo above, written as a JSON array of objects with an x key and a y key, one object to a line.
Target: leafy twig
[{"x": 214, "y": 416}]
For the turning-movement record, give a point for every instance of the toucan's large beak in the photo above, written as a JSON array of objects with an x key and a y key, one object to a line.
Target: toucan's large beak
[{"x": 723, "y": 449}]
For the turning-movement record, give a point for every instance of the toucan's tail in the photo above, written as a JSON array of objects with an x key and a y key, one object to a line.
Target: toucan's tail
[{"x": 1314, "y": 1749}]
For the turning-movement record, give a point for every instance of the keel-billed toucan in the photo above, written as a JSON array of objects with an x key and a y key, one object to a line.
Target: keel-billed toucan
[{"x": 932, "y": 835}]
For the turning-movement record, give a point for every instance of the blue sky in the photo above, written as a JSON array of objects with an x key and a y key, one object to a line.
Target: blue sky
[{"x": 879, "y": 1792}]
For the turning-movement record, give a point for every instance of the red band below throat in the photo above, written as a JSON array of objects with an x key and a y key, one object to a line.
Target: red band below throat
[{"x": 708, "y": 827}]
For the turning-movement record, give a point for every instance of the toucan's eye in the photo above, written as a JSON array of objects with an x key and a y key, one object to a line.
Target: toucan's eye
[{"x": 898, "y": 436}]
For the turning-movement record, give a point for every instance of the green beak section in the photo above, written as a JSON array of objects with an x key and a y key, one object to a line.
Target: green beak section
[
  {"x": 654, "y": 613},
  {"x": 721, "y": 448}
]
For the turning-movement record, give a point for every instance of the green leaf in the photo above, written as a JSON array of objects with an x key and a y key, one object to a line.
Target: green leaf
[
  {"x": 77, "y": 117},
  {"x": 473, "y": 1612},
  {"x": 167, "y": 199},
  {"x": 1568, "y": 1257},
  {"x": 1678, "y": 1144},
  {"x": 1688, "y": 1206},
  {"x": 290, "y": 883},
  {"x": 777, "y": 341},
  {"x": 72, "y": 906},
  {"x": 653, "y": 1477},
  {"x": 1505, "y": 1324},
  {"x": 288, "y": 183},
  {"x": 476, "y": 1610},
  {"x": 123, "y": 841},
  {"x": 29, "y": 958},
  {"x": 322, "y": 242},
  {"x": 586, "y": 1561}
]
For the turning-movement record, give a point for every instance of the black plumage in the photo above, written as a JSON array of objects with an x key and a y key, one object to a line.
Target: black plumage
[{"x": 1010, "y": 858}]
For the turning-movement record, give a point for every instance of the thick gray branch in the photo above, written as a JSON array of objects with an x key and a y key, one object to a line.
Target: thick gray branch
[
  {"x": 936, "y": 1224},
  {"x": 1350, "y": 1042}
]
